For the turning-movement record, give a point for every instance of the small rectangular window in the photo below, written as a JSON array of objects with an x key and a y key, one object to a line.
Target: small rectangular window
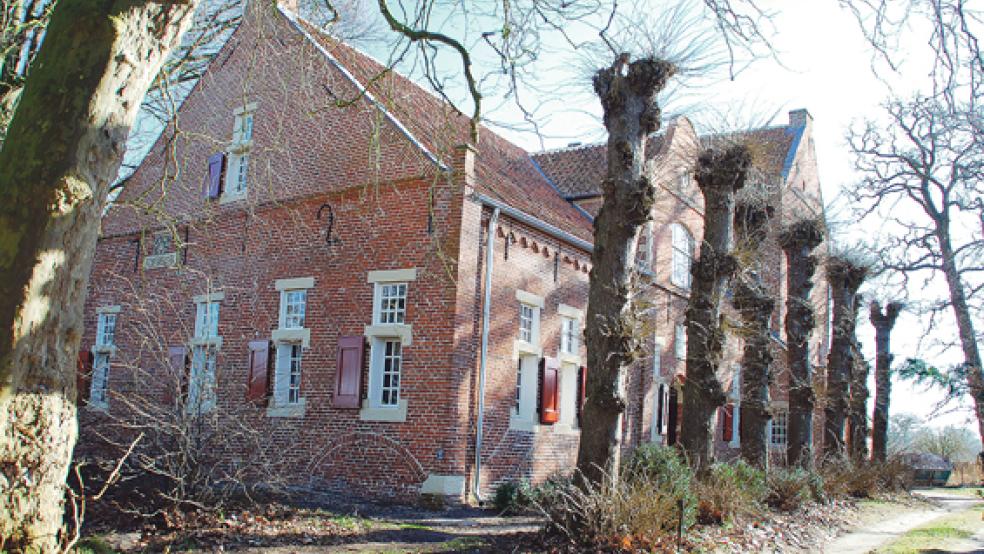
[
  {"x": 519, "y": 384},
  {"x": 526, "y": 316},
  {"x": 294, "y": 304},
  {"x": 106, "y": 330},
  {"x": 569, "y": 336},
  {"x": 680, "y": 342},
  {"x": 294, "y": 377},
  {"x": 100, "y": 379},
  {"x": 390, "y": 386},
  {"x": 392, "y": 302},
  {"x": 201, "y": 386},
  {"x": 207, "y": 320},
  {"x": 779, "y": 427}
]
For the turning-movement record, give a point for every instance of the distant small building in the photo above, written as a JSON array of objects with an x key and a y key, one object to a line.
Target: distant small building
[{"x": 928, "y": 470}]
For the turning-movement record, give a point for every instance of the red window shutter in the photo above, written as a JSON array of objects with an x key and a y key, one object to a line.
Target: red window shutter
[
  {"x": 216, "y": 168},
  {"x": 175, "y": 376},
  {"x": 727, "y": 422},
  {"x": 259, "y": 370},
  {"x": 83, "y": 380},
  {"x": 549, "y": 390},
  {"x": 348, "y": 372}
]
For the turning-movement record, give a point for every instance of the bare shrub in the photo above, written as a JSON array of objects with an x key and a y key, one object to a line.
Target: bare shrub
[
  {"x": 731, "y": 491},
  {"x": 791, "y": 488},
  {"x": 843, "y": 478}
]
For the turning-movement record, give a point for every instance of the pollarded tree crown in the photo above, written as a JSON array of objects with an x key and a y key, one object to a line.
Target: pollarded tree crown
[
  {"x": 723, "y": 168},
  {"x": 805, "y": 233}
]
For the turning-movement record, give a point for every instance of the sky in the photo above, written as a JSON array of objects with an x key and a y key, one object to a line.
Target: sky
[{"x": 822, "y": 64}]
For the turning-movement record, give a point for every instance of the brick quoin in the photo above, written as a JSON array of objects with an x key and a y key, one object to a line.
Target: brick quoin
[{"x": 404, "y": 192}]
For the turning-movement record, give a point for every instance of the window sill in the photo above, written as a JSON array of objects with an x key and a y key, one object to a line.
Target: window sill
[
  {"x": 521, "y": 347},
  {"x": 229, "y": 197},
  {"x": 518, "y": 423},
  {"x": 396, "y": 414},
  {"x": 100, "y": 407},
  {"x": 568, "y": 358},
  {"x": 161, "y": 261},
  {"x": 564, "y": 429},
  {"x": 215, "y": 342},
  {"x": 287, "y": 410},
  {"x": 401, "y": 330},
  {"x": 302, "y": 336}
]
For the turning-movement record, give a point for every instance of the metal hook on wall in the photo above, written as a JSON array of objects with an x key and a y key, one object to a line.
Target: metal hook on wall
[{"x": 329, "y": 239}]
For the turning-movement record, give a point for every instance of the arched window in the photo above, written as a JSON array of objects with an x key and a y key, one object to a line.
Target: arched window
[{"x": 683, "y": 255}]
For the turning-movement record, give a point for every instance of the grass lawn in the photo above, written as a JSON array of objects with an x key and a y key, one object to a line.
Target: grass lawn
[{"x": 937, "y": 533}]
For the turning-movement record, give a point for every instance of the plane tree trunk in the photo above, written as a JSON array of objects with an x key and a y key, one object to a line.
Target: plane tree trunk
[
  {"x": 720, "y": 174},
  {"x": 755, "y": 306},
  {"x": 845, "y": 278},
  {"x": 883, "y": 322},
  {"x": 798, "y": 242},
  {"x": 63, "y": 149},
  {"x": 627, "y": 91}
]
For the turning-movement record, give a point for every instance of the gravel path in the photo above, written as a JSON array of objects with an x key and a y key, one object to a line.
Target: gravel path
[{"x": 870, "y": 537}]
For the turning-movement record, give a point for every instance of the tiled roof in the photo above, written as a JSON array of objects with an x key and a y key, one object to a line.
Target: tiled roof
[
  {"x": 504, "y": 171},
  {"x": 578, "y": 171}
]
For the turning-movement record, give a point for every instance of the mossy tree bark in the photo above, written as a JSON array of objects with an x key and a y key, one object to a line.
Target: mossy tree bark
[
  {"x": 720, "y": 174},
  {"x": 755, "y": 305},
  {"x": 627, "y": 91},
  {"x": 883, "y": 322},
  {"x": 845, "y": 278},
  {"x": 63, "y": 149},
  {"x": 798, "y": 242}
]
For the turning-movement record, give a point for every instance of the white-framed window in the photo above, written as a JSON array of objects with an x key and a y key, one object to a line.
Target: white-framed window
[
  {"x": 106, "y": 330},
  {"x": 683, "y": 255},
  {"x": 237, "y": 170},
  {"x": 202, "y": 375},
  {"x": 518, "y": 399},
  {"x": 207, "y": 320},
  {"x": 293, "y": 306},
  {"x": 387, "y": 365},
  {"x": 644, "y": 252},
  {"x": 778, "y": 427},
  {"x": 99, "y": 388},
  {"x": 680, "y": 341},
  {"x": 287, "y": 374},
  {"x": 528, "y": 324},
  {"x": 201, "y": 379},
  {"x": 391, "y": 305},
  {"x": 569, "y": 335}
]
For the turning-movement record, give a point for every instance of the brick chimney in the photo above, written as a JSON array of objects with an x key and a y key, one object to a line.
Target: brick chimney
[
  {"x": 464, "y": 164},
  {"x": 799, "y": 118}
]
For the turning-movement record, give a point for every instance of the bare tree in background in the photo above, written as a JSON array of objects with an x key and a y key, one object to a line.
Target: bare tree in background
[
  {"x": 845, "y": 276},
  {"x": 883, "y": 322},
  {"x": 923, "y": 161},
  {"x": 798, "y": 242},
  {"x": 720, "y": 174}
]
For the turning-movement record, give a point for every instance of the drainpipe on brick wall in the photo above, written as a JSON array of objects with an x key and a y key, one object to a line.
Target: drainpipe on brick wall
[{"x": 486, "y": 308}]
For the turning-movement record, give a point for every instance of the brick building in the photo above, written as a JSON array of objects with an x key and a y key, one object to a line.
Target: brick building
[{"x": 314, "y": 249}]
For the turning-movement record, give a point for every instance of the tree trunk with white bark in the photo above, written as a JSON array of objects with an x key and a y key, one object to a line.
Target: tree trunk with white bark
[{"x": 62, "y": 151}]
